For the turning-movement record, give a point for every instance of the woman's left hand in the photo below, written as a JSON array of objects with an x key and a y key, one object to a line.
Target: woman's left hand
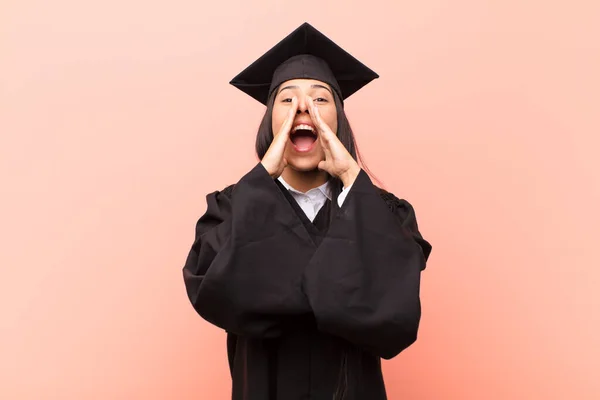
[{"x": 338, "y": 161}]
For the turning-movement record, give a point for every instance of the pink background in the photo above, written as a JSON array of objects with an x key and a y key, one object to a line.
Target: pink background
[{"x": 116, "y": 119}]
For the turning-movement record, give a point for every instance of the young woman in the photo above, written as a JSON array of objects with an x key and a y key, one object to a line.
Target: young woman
[{"x": 313, "y": 271}]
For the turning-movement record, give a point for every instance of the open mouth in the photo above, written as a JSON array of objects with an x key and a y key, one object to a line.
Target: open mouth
[{"x": 303, "y": 137}]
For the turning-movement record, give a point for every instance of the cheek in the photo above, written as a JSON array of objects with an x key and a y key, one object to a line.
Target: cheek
[
  {"x": 274, "y": 125},
  {"x": 276, "y": 120},
  {"x": 331, "y": 120}
]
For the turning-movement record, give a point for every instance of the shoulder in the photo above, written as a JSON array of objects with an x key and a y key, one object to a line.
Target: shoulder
[
  {"x": 219, "y": 198},
  {"x": 395, "y": 204},
  {"x": 401, "y": 208},
  {"x": 407, "y": 217},
  {"x": 227, "y": 191},
  {"x": 218, "y": 204}
]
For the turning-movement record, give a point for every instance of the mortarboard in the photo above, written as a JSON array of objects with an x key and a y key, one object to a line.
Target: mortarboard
[{"x": 304, "y": 53}]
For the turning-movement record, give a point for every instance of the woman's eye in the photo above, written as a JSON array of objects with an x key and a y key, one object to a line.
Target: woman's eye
[
  {"x": 286, "y": 100},
  {"x": 321, "y": 99}
]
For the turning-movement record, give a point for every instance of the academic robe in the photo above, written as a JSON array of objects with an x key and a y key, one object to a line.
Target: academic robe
[{"x": 309, "y": 308}]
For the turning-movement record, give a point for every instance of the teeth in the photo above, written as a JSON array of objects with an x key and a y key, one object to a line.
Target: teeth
[{"x": 305, "y": 127}]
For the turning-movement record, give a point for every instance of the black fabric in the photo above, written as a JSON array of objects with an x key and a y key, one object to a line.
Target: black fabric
[
  {"x": 307, "y": 305},
  {"x": 304, "y": 53},
  {"x": 316, "y": 229}
]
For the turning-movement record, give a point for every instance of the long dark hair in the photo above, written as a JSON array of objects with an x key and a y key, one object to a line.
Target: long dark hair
[{"x": 350, "y": 356}]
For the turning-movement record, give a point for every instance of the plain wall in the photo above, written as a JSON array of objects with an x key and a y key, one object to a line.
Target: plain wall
[{"x": 116, "y": 119}]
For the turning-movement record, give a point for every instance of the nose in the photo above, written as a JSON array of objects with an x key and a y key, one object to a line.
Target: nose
[{"x": 302, "y": 105}]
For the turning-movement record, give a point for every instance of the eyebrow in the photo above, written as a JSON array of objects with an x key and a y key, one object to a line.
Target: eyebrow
[{"x": 312, "y": 86}]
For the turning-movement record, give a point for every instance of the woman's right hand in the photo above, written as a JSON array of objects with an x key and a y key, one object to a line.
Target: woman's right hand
[{"x": 274, "y": 160}]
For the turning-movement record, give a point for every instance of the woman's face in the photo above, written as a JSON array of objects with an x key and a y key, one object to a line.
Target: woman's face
[{"x": 303, "y": 151}]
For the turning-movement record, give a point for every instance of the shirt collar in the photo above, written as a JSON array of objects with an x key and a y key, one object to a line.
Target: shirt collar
[{"x": 324, "y": 188}]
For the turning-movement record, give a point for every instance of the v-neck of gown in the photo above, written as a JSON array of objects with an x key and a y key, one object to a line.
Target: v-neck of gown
[{"x": 316, "y": 229}]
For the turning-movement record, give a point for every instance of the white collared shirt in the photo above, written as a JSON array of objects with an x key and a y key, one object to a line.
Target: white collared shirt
[{"x": 312, "y": 201}]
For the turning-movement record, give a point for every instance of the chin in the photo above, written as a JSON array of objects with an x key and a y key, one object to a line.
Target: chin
[{"x": 303, "y": 165}]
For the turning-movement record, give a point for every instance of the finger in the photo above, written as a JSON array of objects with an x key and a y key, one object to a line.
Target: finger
[
  {"x": 324, "y": 142},
  {"x": 290, "y": 116},
  {"x": 313, "y": 113},
  {"x": 323, "y": 166},
  {"x": 288, "y": 122},
  {"x": 325, "y": 138},
  {"x": 326, "y": 149},
  {"x": 318, "y": 121}
]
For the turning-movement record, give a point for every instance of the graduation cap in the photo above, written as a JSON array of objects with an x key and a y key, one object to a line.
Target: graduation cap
[{"x": 304, "y": 53}]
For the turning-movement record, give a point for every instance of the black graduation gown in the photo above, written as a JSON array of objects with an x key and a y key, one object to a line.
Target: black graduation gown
[{"x": 309, "y": 308}]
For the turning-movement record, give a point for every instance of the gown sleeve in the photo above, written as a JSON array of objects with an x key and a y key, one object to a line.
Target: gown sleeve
[
  {"x": 244, "y": 270},
  {"x": 363, "y": 281}
]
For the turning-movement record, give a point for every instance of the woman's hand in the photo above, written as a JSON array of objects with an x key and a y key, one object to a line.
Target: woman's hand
[
  {"x": 338, "y": 161},
  {"x": 274, "y": 160}
]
